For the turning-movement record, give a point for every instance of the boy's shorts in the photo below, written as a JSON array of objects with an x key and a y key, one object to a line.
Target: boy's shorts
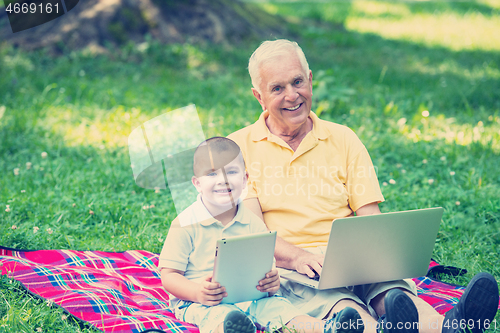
[
  {"x": 318, "y": 303},
  {"x": 268, "y": 313}
]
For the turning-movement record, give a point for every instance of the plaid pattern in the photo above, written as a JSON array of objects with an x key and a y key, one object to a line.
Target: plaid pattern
[
  {"x": 440, "y": 295},
  {"x": 433, "y": 264},
  {"x": 114, "y": 292},
  {"x": 122, "y": 292}
]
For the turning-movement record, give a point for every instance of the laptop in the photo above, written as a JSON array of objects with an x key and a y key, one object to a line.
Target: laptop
[
  {"x": 376, "y": 248},
  {"x": 241, "y": 262}
]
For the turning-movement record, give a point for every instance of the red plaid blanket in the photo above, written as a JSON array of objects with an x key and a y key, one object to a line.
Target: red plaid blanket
[{"x": 122, "y": 292}]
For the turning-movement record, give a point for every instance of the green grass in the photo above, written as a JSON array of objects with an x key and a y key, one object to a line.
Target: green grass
[{"x": 378, "y": 66}]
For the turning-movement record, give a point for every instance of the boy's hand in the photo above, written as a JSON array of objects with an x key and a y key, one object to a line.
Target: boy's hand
[
  {"x": 210, "y": 293},
  {"x": 271, "y": 283}
]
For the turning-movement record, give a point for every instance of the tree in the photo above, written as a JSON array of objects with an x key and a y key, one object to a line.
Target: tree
[{"x": 94, "y": 24}]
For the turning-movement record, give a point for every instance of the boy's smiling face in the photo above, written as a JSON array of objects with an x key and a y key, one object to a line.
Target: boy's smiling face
[{"x": 220, "y": 189}]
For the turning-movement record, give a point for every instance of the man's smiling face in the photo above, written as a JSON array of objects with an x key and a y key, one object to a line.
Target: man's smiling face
[{"x": 286, "y": 91}]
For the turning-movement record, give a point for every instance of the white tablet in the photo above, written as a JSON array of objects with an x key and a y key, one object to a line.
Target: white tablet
[{"x": 241, "y": 262}]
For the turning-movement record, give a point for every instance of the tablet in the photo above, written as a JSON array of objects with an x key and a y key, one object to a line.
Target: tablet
[{"x": 241, "y": 262}]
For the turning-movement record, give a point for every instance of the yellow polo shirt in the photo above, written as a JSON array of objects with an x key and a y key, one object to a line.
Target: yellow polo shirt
[{"x": 329, "y": 176}]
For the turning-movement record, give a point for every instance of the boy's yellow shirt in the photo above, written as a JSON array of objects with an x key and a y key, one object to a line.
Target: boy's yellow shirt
[{"x": 329, "y": 176}]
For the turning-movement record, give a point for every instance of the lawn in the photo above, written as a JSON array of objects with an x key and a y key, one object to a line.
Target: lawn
[{"x": 419, "y": 82}]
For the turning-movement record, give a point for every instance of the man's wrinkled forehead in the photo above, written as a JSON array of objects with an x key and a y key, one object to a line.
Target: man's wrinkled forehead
[{"x": 272, "y": 64}]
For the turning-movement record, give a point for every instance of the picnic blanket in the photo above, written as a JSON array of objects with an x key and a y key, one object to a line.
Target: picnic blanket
[{"x": 122, "y": 292}]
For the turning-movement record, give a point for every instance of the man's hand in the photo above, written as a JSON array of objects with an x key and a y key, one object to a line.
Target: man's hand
[
  {"x": 271, "y": 283},
  {"x": 292, "y": 257},
  {"x": 307, "y": 262},
  {"x": 210, "y": 293}
]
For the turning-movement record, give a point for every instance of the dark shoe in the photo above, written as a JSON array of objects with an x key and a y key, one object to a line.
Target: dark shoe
[
  {"x": 401, "y": 314},
  {"x": 477, "y": 306},
  {"x": 346, "y": 320},
  {"x": 237, "y": 322}
]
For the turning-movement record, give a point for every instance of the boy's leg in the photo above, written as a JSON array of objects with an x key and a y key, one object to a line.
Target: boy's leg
[
  {"x": 237, "y": 322},
  {"x": 209, "y": 319},
  {"x": 273, "y": 313}
]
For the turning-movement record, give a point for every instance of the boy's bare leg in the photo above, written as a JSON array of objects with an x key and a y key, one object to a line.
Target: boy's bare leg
[{"x": 430, "y": 320}]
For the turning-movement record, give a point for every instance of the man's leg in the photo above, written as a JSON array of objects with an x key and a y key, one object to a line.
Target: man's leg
[
  {"x": 430, "y": 321},
  {"x": 477, "y": 306}
]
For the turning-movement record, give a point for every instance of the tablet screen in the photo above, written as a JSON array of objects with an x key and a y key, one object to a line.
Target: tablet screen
[{"x": 241, "y": 262}]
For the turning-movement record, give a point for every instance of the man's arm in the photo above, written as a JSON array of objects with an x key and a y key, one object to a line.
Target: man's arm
[
  {"x": 369, "y": 209},
  {"x": 288, "y": 255}
]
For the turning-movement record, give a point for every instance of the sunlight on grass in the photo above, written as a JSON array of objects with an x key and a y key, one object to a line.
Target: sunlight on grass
[
  {"x": 107, "y": 128},
  {"x": 196, "y": 58},
  {"x": 449, "y": 66},
  {"x": 439, "y": 127},
  {"x": 18, "y": 60},
  {"x": 471, "y": 31},
  {"x": 378, "y": 8},
  {"x": 110, "y": 129},
  {"x": 491, "y": 3},
  {"x": 99, "y": 129},
  {"x": 270, "y": 8}
]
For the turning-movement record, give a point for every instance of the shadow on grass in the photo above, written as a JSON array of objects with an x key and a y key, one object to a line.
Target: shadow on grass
[
  {"x": 457, "y": 84},
  {"x": 463, "y": 84}
]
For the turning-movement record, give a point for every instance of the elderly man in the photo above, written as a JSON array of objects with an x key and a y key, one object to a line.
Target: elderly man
[{"x": 305, "y": 172}]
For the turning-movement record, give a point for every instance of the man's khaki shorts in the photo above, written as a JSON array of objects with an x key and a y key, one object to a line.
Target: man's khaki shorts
[{"x": 318, "y": 303}]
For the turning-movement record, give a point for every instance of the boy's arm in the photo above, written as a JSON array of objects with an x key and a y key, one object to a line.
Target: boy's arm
[{"x": 206, "y": 293}]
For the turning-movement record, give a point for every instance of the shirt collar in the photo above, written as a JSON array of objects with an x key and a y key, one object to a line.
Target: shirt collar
[
  {"x": 203, "y": 215},
  {"x": 260, "y": 131}
]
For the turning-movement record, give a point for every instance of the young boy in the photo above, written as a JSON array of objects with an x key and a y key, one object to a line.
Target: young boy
[{"x": 187, "y": 257}]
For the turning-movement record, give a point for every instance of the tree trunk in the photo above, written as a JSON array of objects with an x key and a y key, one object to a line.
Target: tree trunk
[{"x": 94, "y": 24}]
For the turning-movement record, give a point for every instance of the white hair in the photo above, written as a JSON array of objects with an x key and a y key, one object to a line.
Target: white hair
[{"x": 271, "y": 49}]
